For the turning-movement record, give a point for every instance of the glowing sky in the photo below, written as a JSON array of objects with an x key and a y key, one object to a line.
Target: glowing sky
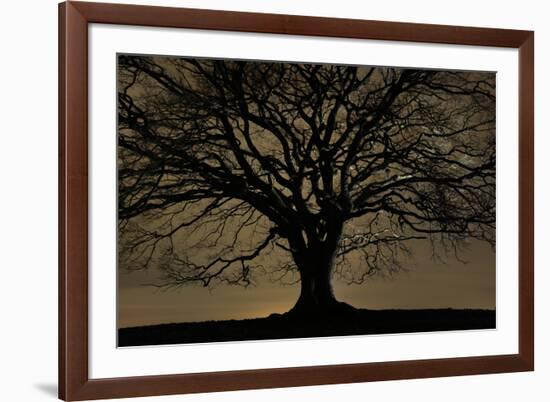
[{"x": 425, "y": 284}]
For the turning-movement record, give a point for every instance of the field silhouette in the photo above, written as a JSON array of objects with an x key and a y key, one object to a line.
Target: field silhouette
[{"x": 284, "y": 326}]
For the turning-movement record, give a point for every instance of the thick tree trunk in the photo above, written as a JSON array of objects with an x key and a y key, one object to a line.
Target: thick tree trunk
[
  {"x": 316, "y": 293},
  {"x": 316, "y": 298},
  {"x": 314, "y": 251}
]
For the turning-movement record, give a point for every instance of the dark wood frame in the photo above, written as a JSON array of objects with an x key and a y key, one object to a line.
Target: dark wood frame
[{"x": 74, "y": 383}]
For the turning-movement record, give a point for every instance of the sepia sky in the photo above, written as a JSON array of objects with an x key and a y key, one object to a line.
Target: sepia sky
[
  {"x": 425, "y": 284},
  {"x": 431, "y": 276}
]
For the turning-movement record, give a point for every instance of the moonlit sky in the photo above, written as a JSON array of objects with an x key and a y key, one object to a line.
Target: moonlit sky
[{"x": 426, "y": 283}]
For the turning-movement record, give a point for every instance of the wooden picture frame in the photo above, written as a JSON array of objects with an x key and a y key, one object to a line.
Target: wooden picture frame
[{"x": 74, "y": 381}]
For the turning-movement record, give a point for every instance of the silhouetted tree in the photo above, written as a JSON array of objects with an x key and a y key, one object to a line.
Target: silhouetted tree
[{"x": 337, "y": 167}]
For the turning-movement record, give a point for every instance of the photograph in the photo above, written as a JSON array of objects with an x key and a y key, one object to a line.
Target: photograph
[{"x": 271, "y": 200}]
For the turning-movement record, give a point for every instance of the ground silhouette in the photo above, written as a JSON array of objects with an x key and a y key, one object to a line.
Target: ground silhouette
[{"x": 284, "y": 326}]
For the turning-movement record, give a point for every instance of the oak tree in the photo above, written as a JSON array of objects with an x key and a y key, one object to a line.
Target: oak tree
[{"x": 335, "y": 168}]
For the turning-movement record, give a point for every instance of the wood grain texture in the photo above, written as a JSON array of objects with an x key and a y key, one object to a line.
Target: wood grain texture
[
  {"x": 73, "y": 200},
  {"x": 74, "y": 382},
  {"x": 298, "y": 25},
  {"x": 526, "y": 201}
]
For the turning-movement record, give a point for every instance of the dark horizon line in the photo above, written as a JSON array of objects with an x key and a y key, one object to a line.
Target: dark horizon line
[{"x": 433, "y": 309}]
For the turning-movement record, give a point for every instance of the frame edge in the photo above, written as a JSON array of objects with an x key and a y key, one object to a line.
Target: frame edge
[
  {"x": 62, "y": 352},
  {"x": 74, "y": 383},
  {"x": 526, "y": 201},
  {"x": 73, "y": 203}
]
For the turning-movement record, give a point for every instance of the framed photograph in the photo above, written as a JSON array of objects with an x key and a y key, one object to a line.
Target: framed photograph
[{"x": 259, "y": 200}]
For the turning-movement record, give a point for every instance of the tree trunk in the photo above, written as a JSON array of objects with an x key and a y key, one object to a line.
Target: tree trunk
[{"x": 316, "y": 293}]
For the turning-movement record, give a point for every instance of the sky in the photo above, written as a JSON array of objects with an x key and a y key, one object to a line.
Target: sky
[{"x": 424, "y": 283}]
